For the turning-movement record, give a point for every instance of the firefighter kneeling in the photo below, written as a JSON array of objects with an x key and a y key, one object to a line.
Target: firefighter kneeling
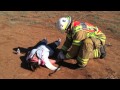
[{"x": 83, "y": 40}]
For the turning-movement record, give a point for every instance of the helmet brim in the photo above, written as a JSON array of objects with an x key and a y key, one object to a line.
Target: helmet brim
[{"x": 68, "y": 23}]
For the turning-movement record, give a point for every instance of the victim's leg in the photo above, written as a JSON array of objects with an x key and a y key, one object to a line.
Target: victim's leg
[
  {"x": 42, "y": 42},
  {"x": 55, "y": 44}
]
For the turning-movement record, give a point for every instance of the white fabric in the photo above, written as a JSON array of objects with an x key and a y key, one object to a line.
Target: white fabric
[
  {"x": 48, "y": 63},
  {"x": 43, "y": 54}
]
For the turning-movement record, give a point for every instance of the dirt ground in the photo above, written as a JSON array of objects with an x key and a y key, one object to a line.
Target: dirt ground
[{"x": 26, "y": 28}]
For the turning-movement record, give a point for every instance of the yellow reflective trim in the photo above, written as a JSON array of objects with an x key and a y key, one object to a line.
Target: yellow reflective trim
[
  {"x": 96, "y": 53},
  {"x": 96, "y": 28},
  {"x": 64, "y": 48},
  {"x": 76, "y": 41},
  {"x": 68, "y": 56},
  {"x": 96, "y": 33},
  {"x": 99, "y": 33},
  {"x": 77, "y": 44},
  {"x": 90, "y": 27},
  {"x": 91, "y": 34},
  {"x": 103, "y": 38},
  {"x": 77, "y": 28},
  {"x": 75, "y": 31},
  {"x": 84, "y": 61},
  {"x": 88, "y": 35}
]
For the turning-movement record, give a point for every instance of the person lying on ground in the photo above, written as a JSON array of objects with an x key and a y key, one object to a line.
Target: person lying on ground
[{"x": 39, "y": 56}]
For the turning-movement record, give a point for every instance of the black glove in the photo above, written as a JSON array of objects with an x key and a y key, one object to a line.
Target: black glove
[
  {"x": 60, "y": 55},
  {"x": 103, "y": 52}
]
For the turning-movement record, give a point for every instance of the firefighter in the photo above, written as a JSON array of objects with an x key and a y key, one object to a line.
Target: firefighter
[{"x": 83, "y": 41}]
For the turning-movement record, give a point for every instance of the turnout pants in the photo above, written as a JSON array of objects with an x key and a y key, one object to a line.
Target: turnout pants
[{"x": 90, "y": 48}]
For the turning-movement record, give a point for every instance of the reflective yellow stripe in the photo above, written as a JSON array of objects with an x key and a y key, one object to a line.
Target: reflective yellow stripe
[
  {"x": 68, "y": 56},
  {"x": 83, "y": 61},
  {"x": 76, "y": 42},
  {"x": 78, "y": 28},
  {"x": 96, "y": 28},
  {"x": 103, "y": 38},
  {"x": 74, "y": 32},
  {"x": 64, "y": 48},
  {"x": 97, "y": 32},
  {"x": 96, "y": 53},
  {"x": 91, "y": 34}
]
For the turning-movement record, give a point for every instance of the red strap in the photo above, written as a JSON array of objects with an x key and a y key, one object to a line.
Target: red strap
[{"x": 76, "y": 23}]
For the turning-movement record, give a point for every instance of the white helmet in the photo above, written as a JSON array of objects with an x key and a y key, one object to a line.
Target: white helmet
[{"x": 63, "y": 23}]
